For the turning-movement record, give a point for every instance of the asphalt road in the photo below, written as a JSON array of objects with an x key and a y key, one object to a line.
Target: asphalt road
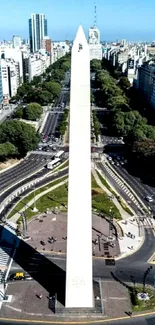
[
  {"x": 148, "y": 320},
  {"x": 37, "y": 185},
  {"x": 33, "y": 162},
  {"x": 52, "y": 122},
  {"x": 110, "y": 140},
  {"x": 6, "y": 111},
  {"x": 141, "y": 189},
  {"x": 134, "y": 265},
  {"x": 20, "y": 172},
  {"x": 117, "y": 187}
]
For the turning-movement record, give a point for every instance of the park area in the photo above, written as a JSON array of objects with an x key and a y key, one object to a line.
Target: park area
[{"x": 58, "y": 198}]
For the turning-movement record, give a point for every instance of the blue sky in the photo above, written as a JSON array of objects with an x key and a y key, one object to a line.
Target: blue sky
[{"x": 133, "y": 19}]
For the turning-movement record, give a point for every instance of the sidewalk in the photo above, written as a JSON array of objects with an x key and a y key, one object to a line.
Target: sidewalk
[
  {"x": 127, "y": 244},
  {"x": 17, "y": 215},
  {"x": 129, "y": 226},
  {"x": 123, "y": 213}
]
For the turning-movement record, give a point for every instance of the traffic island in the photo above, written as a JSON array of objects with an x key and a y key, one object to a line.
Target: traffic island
[{"x": 142, "y": 298}]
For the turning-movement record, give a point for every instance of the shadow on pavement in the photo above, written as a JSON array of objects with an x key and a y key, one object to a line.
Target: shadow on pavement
[{"x": 44, "y": 271}]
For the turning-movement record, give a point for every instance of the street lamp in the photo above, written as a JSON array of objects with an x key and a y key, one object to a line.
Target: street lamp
[
  {"x": 110, "y": 221},
  {"x": 34, "y": 206}
]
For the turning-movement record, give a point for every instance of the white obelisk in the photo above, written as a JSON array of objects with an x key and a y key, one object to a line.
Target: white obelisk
[{"x": 79, "y": 281}]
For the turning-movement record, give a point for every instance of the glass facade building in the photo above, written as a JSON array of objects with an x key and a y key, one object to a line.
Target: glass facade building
[{"x": 37, "y": 31}]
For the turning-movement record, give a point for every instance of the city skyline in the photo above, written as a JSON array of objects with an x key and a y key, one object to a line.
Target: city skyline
[{"x": 116, "y": 20}]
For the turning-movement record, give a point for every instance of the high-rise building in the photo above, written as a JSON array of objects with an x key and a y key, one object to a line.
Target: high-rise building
[
  {"x": 16, "y": 41},
  {"x": 37, "y": 31},
  {"x": 10, "y": 77}
]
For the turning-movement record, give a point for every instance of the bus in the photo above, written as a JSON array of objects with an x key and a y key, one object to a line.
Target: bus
[
  {"x": 60, "y": 154},
  {"x": 53, "y": 163}
]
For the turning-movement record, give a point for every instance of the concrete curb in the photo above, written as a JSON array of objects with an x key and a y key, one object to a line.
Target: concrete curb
[
  {"x": 48, "y": 182},
  {"x": 115, "y": 201},
  {"x": 38, "y": 170},
  {"x": 130, "y": 188},
  {"x": 16, "y": 216},
  {"x": 12, "y": 166},
  {"x": 44, "y": 121},
  {"x": 109, "y": 183}
]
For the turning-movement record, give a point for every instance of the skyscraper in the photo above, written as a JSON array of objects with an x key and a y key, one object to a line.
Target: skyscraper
[{"x": 37, "y": 31}]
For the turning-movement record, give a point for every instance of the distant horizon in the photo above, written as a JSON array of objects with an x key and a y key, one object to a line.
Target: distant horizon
[
  {"x": 115, "y": 19},
  {"x": 71, "y": 40}
]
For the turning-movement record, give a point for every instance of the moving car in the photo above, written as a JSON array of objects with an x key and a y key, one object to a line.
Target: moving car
[
  {"x": 17, "y": 276},
  {"x": 149, "y": 198}
]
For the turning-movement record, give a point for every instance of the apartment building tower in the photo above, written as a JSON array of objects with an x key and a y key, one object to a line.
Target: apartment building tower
[{"x": 37, "y": 31}]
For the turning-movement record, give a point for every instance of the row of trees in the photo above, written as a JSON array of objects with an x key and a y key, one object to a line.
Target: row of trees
[
  {"x": 46, "y": 88},
  {"x": 64, "y": 122},
  {"x": 115, "y": 93},
  {"x": 96, "y": 125},
  {"x": 16, "y": 139},
  {"x": 110, "y": 92},
  {"x": 31, "y": 112}
]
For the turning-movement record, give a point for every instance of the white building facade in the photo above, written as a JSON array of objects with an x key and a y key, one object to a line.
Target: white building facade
[
  {"x": 94, "y": 44},
  {"x": 16, "y": 41},
  {"x": 37, "y": 64},
  {"x": 10, "y": 77},
  {"x": 59, "y": 49}
]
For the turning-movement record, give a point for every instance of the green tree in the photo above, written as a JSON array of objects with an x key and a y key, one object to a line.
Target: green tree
[
  {"x": 64, "y": 122},
  {"x": 95, "y": 65},
  {"x": 66, "y": 65},
  {"x": 33, "y": 111},
  {"x": 19, "y": 112},
  {"x": 57, "y": 75},
  {"x": 42, "y": 97},
  {"x": 22, "y": 135},
  {"x": 53, "y": 87},
  {"x": 96, "y": 125},
  {"x": 22, "y": 90},
  {"x": 36, "y": 80},
  {"x": 92, "y": 99},
  {"x": 124, "y": 83},
  {"x": 7, "y": 150}
]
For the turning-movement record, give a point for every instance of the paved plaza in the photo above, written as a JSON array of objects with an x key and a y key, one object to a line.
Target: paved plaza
[
  {"x": 54, "y": 238},
  {"x": 116, "y": 298},
  {"x": 25, "y": 303}
]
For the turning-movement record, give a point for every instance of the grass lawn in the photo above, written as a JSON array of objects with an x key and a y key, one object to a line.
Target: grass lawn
[
  {"x": 124, "y": 206},
  {"x": 55, "y": 198},
  {"x": 104, "y": 182},
  {"x": 59, "y": 198},
  {"x": 144, "y": 305},
  {"x": 29, "y": 197}
]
